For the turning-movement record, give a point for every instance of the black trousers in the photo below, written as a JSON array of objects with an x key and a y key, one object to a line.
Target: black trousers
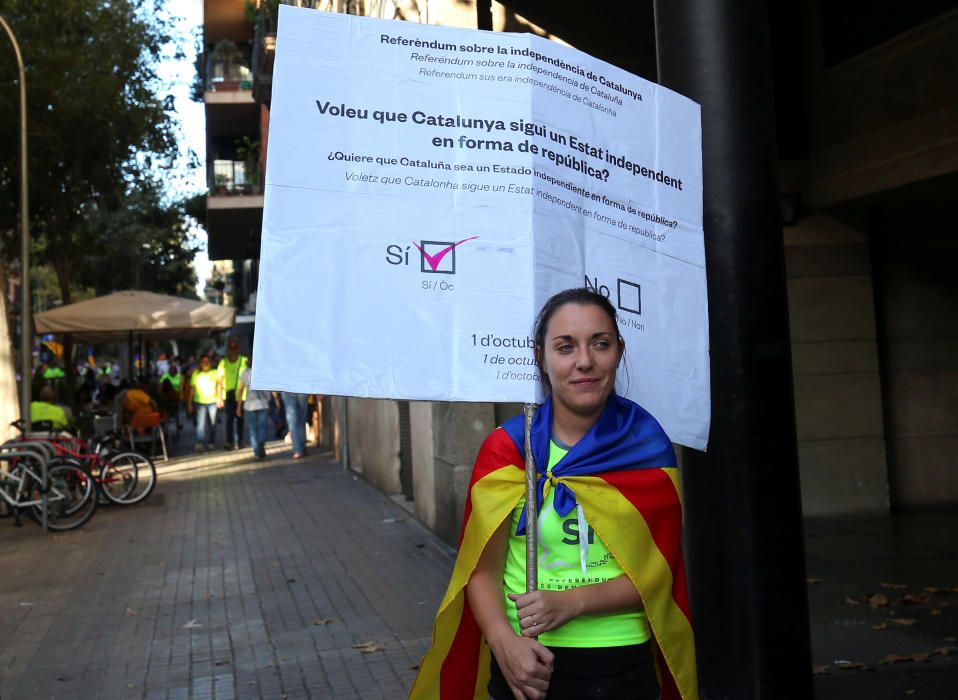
[
  {"x": 234, "y": 424},
  {"x": 620, "y": 673}
]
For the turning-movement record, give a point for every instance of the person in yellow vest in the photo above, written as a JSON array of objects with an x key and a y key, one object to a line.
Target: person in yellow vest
[
  {"x": 202, "y": 398},
  {"x": 171, "y": 384},
  {"x": 46, "y": 410},
  {"x": 227, "y": 377}
]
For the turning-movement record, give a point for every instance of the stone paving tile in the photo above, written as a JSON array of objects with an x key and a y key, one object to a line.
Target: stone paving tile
[{"x": 234, "y": 580}]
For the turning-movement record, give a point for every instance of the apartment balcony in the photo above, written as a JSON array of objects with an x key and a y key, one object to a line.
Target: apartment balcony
[
  {"x": 227, "y": 81},
  {"x": 234, "y": 211},
  {"x": 231, "y": 112}
]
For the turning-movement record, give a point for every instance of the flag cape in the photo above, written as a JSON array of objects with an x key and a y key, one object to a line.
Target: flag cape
[{"x": 623, "y": 475}]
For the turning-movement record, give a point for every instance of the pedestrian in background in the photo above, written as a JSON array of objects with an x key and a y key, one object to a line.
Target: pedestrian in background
[
  {"x": 254, "y": 404},
  {"x": 227, "y": 376},
  {"x": 202, "y": 399},
  {"x": 296, "y": 420}
]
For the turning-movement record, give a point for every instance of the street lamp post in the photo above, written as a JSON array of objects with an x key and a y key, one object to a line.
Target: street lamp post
[{"x": 25, "y": 326}]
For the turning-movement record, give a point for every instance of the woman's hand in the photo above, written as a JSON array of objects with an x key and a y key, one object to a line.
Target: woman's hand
[
  {"x": 544, "y": 611},
  {"x": 525, "y": 664}
]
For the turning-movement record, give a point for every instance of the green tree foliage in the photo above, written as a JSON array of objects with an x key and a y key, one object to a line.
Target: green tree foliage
[
  {"x": 144, "y": 245},
  {"x": 96, "y": 128}
]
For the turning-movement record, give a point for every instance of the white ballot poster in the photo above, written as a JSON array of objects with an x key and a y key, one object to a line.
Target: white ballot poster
[{"x": 428, "y": 188}]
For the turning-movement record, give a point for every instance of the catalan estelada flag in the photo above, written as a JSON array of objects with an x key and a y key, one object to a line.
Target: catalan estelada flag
[{"x": 623, "y": 474}]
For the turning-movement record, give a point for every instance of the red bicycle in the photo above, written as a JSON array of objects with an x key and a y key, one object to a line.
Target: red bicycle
[{"x": 123, "y": 477}]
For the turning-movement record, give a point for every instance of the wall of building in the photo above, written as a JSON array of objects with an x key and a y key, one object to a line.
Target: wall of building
[
  {"x": 838, "y": 399},
  {"x": 373, "y": 434},
  {"x": 915, "y": 258},
  {"x": 446, "y": 439},
  {"x": 885, "y": 118}
]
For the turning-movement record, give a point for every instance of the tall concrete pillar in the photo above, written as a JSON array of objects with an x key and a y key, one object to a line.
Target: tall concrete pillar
[
  {"x": 446, "y": 438},
  {"x": 742, "y": 497}
]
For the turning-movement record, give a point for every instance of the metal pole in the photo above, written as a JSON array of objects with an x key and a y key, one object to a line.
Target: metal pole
[
  {"x": 484, "y": 14},
  {"x": 343, "y": 419},
  {"x": 26, "y": 329},
  {"x": 532, "y": 516},
  {"x": 743, "y": 510}
]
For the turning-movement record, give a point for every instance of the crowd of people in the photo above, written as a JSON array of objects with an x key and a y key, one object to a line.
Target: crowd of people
[{"x": 209, "y": 389}]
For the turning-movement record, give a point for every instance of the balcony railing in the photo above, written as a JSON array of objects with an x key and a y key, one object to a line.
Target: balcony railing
[
  {"x": 230, "y": 178},
  {"x": 228, "y": 75}
]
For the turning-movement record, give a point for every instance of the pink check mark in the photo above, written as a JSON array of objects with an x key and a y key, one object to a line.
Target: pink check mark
[{"x": 434, "y": 260}]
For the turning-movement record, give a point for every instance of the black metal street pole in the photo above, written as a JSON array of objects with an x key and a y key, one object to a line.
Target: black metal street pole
[
  {"x": 26, "y": 327},
  {"x": 484, "y": 14},
  {"x": 743, "y": 507}
]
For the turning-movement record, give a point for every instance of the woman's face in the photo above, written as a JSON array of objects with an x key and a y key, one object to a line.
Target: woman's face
[{"x": 580, "y": 354}]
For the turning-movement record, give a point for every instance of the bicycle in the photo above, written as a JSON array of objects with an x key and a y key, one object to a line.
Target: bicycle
[
  {"x": 124, "y": 477},
  {"x": 39, "y": 482}
]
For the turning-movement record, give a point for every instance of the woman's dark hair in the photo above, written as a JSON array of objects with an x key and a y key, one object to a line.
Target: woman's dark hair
[{"x": 582, "y": 296}]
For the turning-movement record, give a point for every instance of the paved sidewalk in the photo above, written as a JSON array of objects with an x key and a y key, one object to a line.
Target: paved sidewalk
[
  {"x": 239, "y": 579},
  {"x": 254, "y": 580}
]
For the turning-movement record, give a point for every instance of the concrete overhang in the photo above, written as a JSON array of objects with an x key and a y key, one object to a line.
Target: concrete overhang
[
  {"x": 233, "y": 225},
  {"x": 225, "y": 19}
]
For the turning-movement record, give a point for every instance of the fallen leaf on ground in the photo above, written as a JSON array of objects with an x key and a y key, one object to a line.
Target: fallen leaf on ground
[
  {"x": 913, "y": 599},
  {"x": 322, "y": 621},
  {"x": 910, "y": 691},
  {"x": 192, "y": 624},
  {"x": 819, "y": 670},
  {"x": 368, "y": 647},
  {"x": 904, "y": 658},
  {"x": 811, "y": 579},
  {"x": 936, "y": 612},
  {"x": 880, "y": 627},
  {"x": 903, "y": 621},
  {"x": 851, "y": 601},
  {"x": 934, "y": 590},
  {"x": 894, "y": 586},
  {"x": 951, "y": 639},
  {"x": 877, "y": 600},
  {"x": 946, "y": 651},
  {"x": 131, "y": 612}
]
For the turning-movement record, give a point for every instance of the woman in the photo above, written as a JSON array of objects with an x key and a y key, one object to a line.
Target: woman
[{"x": 611, "y": 599}]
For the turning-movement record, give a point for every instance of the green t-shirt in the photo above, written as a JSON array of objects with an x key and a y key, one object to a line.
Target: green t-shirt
[
  {"x": 560, "y": 568},
  {"x": 204, "y": 386}
]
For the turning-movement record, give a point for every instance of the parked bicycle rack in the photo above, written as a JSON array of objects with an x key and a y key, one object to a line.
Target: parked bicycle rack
[{"x": 37, "y": 452}]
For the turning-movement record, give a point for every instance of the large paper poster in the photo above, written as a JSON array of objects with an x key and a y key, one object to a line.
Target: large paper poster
[{"x": 428, "y": 188}]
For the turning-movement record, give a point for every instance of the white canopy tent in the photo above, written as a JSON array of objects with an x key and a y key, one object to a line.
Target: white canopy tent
[{"x": 121, "y": 315}]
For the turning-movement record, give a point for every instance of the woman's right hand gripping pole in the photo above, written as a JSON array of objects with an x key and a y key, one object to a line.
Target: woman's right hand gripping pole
[{"x": 525, "y": 663}]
